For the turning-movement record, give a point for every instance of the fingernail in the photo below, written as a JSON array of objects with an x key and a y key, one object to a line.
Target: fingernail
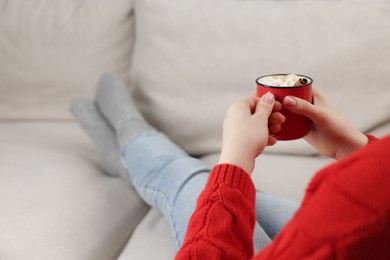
[
  {"x": 269, "y": 98},
  {"x": 290, "y": 102}
]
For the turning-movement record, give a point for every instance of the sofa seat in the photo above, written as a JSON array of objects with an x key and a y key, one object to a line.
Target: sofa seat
[
  {"x": 78, "y": 212},
  {"x": 54, "y": 199}
]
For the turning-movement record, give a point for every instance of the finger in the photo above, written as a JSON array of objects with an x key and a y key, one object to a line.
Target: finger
[
  {"x": 265, "y": 105},
  {"x": 271, "y": 140},
  {"x": 277, "y": 106},
  {"x": 276, "y": 118},
  {"x": 245, "y": 106},
  {"x": 254, "y": 93},
  {"x": 275, "y": 128},
  {"x": 302, "y": 107},
  {"x": 321, "y": 100},
  {"x": 319, "y": 95}
]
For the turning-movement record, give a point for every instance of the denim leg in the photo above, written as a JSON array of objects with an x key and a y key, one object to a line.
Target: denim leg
[
  {"x": 273, "y": 212},
  {"x": 260, "y": 238},
  {"x": 168, "y": 179}
]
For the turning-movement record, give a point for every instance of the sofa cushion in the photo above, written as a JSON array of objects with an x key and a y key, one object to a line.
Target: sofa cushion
[
  {"x": 55, "y": 201},
  {"x": 54, "y": 50},
  {"x": 194, "y": 58},
  {"x": 152, "y": 239}
]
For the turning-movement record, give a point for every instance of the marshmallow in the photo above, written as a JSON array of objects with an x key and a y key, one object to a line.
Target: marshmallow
[{"x": 288, "y": 80}]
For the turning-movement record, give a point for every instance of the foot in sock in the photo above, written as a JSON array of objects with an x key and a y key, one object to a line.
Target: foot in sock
[
  {"x": 114, "y": 102},
  {"x": 102, "y": 135}
]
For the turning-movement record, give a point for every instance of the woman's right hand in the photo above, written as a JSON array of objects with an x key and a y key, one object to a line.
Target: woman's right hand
[{"x": 332, "y": 135}]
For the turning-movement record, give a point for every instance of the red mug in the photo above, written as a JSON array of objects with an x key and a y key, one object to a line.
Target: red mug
[{"x": 296, "y": 126}]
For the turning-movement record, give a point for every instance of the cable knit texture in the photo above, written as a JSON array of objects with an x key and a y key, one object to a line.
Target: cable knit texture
[
  {"x": 344, "y": 214},
  {"x": 223, "y": 222}
]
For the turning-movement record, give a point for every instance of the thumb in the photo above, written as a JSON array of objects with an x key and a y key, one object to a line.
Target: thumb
[
  {"x": 302, "y": 107},
  {"x": 265, "y": 105}
]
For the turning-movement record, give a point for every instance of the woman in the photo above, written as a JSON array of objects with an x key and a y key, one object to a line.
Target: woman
[{"x": 343, "y": 215}]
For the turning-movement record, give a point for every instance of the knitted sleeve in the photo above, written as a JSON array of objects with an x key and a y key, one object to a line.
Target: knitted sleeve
[
  {"x": 222, "y": 225},
  {"x": 345, "y": 213}
]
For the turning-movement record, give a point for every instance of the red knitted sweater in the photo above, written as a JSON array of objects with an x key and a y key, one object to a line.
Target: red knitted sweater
[{"x": 344, "y": 215}]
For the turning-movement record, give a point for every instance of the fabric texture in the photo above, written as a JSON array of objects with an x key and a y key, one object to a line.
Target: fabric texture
[
  {"x": 115, "y": 104},
  {"x": 52, "y": 51},
  {"x": 55, "y": 201},
  {"x": 344, "y": 215},
  {"x": 190, "y": 54},
  {"x": 101, "y": 134},
  {"x": 222, "y": 225}
]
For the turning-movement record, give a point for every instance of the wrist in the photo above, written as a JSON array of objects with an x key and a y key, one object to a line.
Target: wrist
[
  {"x": 238, "y": 160},
  {"x": 358, "y": 140}
]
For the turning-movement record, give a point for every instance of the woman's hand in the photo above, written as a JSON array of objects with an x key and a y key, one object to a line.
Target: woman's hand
[
  {"x": 245, "y": 130},
  {"x": 332, "y": 135}
]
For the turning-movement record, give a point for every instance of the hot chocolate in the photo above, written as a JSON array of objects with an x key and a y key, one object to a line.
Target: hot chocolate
[{"x": 284, "y": 80}]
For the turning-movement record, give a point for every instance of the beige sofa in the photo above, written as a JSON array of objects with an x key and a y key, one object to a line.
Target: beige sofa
[{"x": 185, "y": 61}]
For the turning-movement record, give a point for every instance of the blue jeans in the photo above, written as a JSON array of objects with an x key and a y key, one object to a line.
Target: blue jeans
[{"x": 168, "y": 179}]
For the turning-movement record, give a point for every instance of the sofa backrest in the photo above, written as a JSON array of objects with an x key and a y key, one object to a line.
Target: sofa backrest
[
  {"x": 51, "y": 51},
  {"x": 194, "y": 58}
]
